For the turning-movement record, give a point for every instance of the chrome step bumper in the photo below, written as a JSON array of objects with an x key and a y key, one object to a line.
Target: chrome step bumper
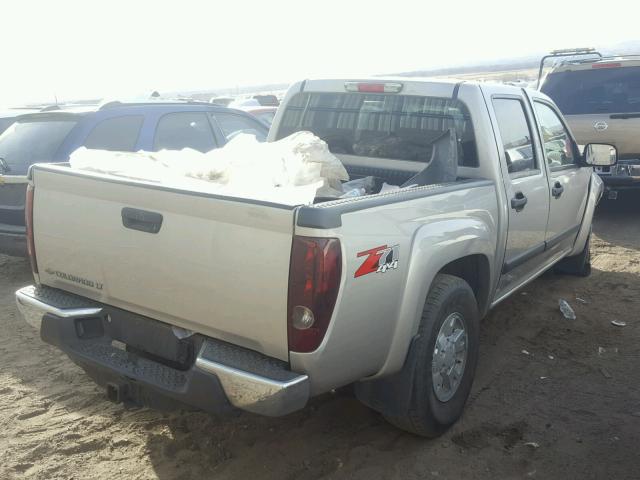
[{"x": 221, "y": 374}]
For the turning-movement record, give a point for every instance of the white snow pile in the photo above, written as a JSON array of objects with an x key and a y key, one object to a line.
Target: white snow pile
[{"x": 291, "y": 171}]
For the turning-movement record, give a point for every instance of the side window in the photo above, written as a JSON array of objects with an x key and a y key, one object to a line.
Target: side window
[
  {"x": 119, "y": 134},
  {"x": 232, "y": 125},
  {"x": 558, "y": 145},
  {"x": 179, "y": 130},
  {"x": 516, "y": 135}
]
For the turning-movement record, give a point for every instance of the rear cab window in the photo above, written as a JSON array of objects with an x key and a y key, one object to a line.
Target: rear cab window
[
  {"x": 117, "y": 134},
  {"x": 34, "y": 139},
  {"x": 382, "y": 126},
  {"x": 595, "y": 90}
]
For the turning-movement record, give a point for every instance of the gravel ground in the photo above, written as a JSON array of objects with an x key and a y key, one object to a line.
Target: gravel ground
[{"x": 553, "y": 399}]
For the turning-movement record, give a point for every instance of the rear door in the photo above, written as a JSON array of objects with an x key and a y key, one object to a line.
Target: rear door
[
  {"x": 525, "y": 183},
  {"x": 568, "y": 179}
]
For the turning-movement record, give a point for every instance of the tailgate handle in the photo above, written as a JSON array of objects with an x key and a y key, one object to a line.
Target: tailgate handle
[{"x": 141, "y": 220}]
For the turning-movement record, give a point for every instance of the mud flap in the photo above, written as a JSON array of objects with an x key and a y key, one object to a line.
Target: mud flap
[{"x": 391, "y": 395}]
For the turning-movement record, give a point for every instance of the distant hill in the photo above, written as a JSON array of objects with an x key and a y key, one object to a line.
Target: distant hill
[
  {"x": 515, "y": 68},
  {"x": 518, "y": 63}
]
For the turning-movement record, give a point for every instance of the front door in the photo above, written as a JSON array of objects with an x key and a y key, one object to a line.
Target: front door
[
  {"x": 527, "y": 190},
  {"x": 568, "y": 180}
]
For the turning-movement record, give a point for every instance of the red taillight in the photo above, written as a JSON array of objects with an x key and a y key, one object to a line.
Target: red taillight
[
  {"x": 373, "y": 87},
  {"x": 606, "y": 65},
  {"x": 28, "y": 214},
  {"x": 314, "y": 281}
]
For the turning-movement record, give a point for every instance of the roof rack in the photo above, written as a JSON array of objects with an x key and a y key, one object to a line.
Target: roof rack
[{"x": 565, "y": 52}]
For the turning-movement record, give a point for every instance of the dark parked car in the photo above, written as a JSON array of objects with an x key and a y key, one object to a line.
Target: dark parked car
[{"x": 53, "y": 135}]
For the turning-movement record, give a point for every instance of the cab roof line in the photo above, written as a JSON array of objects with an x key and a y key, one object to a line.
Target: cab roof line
[{"x": 456, "y": 89}]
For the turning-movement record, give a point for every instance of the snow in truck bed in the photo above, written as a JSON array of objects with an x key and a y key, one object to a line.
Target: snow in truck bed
[{"x": 291, "y": 171}]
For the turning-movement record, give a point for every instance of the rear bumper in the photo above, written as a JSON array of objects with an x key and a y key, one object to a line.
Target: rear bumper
[
  {"x": 220, "y": 376},
  {"x": 13, "y": 240}
]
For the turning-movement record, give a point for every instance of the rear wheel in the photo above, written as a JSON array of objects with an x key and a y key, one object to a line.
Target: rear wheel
[
  {"x": 445, "y": 360},
  {"x": 579, "y": 265}
]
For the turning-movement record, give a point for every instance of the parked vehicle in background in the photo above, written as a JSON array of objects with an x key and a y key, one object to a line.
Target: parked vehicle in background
[
  {"x": 600, "y": 98},
  {"x": 222, "y": 101},
  {"x": 164, "y": 295},
  {"x": 53, "y": 135},
  {"x": 255, "y": 101},
  {"x": 8, "y": 116},
  {"x": 6, "y": 119},
  {"x": 267, "y": 100},
  {"x": 264, "y": 114}
]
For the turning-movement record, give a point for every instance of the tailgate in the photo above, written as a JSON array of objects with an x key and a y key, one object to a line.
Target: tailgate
[{"x": 218, "y": 266}]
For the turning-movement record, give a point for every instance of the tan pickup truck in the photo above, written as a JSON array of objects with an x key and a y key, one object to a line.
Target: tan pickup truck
[{"x": 164, "y": 294}]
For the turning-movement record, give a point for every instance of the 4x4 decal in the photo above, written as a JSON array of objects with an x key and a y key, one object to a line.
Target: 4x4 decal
[{"x": 379, "y": 260}]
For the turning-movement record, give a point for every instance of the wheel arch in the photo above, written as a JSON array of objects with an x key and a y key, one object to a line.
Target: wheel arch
[
  {"x": 475, "y": 270},
  {"x": 462, "y": 247}
]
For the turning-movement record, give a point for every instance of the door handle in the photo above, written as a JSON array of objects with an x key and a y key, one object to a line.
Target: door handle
[
  {"x": 141, "y": 220},
  {"x": 518, "y": 202},
  {"x": 557, "y": 190}
]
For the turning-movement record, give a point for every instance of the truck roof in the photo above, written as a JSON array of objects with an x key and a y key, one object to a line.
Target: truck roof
[
  {"x": 410, "y": 85},
  {"x": 604, "y": 62}
]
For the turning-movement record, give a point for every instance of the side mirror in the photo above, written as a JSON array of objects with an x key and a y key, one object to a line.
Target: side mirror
[{"x": 600, "y": 155}]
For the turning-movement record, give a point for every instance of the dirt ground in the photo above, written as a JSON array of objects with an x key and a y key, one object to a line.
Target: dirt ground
[{"x": 553, "y": 399}]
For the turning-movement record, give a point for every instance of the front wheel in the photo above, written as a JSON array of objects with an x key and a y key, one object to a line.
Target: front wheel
[{"x": 445, "y": 359}]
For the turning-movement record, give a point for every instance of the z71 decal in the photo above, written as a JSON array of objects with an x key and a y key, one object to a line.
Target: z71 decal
[{"x": 379, "y": 260}]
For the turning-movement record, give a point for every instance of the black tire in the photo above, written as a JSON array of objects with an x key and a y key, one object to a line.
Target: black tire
[
  {"x": 578, "y": 265},
  {"x": 427, "y": 415}
]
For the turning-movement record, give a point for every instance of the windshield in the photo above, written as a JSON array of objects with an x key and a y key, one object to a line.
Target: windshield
[
  {"x": 604, "y": 90},
  {"x": 390, "y": 126},
  {"x": 29, "y": 141}
]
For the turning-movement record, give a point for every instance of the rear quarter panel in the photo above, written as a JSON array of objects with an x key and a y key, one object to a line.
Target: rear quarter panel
[{"x": 377, "y": 314}]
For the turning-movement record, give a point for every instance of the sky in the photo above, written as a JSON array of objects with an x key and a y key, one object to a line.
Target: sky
[{"x": 118, "y": 49}]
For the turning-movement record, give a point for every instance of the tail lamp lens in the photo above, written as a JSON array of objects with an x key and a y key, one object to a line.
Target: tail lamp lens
[
  {"x": 28, "y": 211},
  {"x": 314, "y": 282},
  {"x": 373, "y": 87},
  {"x": 606, "y": 65}
]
